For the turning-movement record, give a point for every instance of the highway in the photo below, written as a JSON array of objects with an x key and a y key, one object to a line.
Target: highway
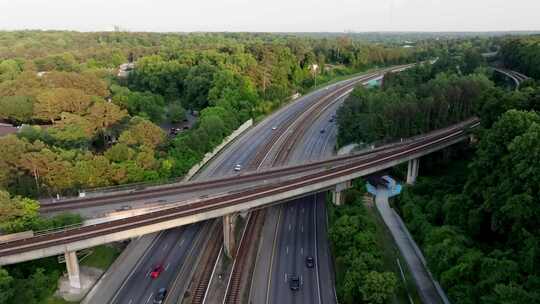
[
  {"x": 516, "y": 77},
  {"x": 299, "y": 232},
  {"x": 167, "y": 250},
  {"x": 182, "y": 214},
  {"x": 167, "y": 240}
]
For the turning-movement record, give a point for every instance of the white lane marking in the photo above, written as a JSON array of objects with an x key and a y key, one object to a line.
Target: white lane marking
[
  {"x": 148, "y": 273},
  {"x": 181, "y": 243},
  {"x": 285, "y": 277},
  {"x": 165, "y": 247},
  {"x": 167, "y": 267},
  {"x": 290, "y": 227},
  {"x": 287, "y": 249},
  {"x": 302, "y": 228},
  {"x": 130, "y": 301},
  {"x": 302, "y": 251},
  {"x": 302, "y": 209},
  {"x": 149, "y": 297}
]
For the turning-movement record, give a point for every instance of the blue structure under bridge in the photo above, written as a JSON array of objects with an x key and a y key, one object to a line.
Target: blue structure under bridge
[{"x": 383, "y": 181}]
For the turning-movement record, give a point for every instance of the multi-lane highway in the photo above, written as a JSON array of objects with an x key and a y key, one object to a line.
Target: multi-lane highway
[
  {"x": 296, "y": 231},
  {"x": 166, "y": 250},
  {"x": 281, "y": 128}
]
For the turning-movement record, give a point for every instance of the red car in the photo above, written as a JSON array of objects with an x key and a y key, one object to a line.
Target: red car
[{"x": 156, "y": 271}]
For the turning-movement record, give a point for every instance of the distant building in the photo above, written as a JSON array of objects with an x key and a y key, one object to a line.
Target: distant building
[{"x": 125, "y": 69}]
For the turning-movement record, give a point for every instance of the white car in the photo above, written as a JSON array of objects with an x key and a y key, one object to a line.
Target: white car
[
  {"x": 274, "y": 128},
  {"x": 238, "y": 167}
]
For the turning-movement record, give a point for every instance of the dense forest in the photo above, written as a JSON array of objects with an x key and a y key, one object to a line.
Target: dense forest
[
  {"x": 362, "y": 274},
  {"x": 474, "y": 209},
  {"x": 522, "y": 54},
  {"x": 82, "y": 126}
]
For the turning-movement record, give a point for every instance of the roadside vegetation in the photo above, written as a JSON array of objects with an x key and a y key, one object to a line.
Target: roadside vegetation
[
  {"x": 85, "y": 128},
  {"x": 474, "y": 208},
  {"x": 363, "y": 272}
]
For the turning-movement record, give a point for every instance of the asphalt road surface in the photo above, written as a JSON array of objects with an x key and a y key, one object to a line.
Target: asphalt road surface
[
  {"x": 296, "y": 230},
  {"x": 166, "y": 249}
]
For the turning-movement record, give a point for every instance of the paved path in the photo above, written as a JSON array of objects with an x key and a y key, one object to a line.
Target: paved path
[{"x": 426, "y": 286}]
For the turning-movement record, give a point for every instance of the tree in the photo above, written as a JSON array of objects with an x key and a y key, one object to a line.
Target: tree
[
  {"x": 198, "y": 83},
  {"x": 378, "y": 287},
  {"x": 142, "y": 132},
  {"x": 18, "y": 109},
  {"x": 17, "y": 214},
  {"x": 103, "y": 115},
  {"x": 176, "y": 112},
  {"x": 6, "y": 287},
  {"x": 9, "y": 69},
  {"x": 51, "y": 103}
]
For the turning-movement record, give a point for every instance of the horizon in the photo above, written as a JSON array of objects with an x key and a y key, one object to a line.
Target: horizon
[{"x": 279, "y": 16}]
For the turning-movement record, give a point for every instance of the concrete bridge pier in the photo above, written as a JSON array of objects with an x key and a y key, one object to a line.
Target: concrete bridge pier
[
  {"x": 338, "y": 197},
  {"x": 412, "y": 171},
  {"x": 229, "y": 228},
  {"x": 72, "y": 264}
]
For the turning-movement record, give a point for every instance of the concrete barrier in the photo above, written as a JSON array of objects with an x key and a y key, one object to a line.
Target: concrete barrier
[{"x": 208, "y": 156}]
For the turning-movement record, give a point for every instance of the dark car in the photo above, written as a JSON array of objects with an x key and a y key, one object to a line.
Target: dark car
[
  {"x": 160, "y": 296},
  {"x": 294, "y": 282},
  {"x": 322, "y": 131},
  {"x": 310, "y": 262}
]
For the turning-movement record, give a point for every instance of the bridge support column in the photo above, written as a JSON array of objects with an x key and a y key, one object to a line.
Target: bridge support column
[
  {"x": 338, "y": 197},
  {"x": 72, "y": 264},
  {"x": 412, "y": 171},
  {"x": 229, "y": 228}
]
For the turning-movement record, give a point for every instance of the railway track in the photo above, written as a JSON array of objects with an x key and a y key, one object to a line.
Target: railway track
[
  {"x": 256, "y": 218},
  {"x": 86, "y": 232},
  {"x": 174, "y": 189},
  {"x": 213, "y": 248},
  {"x": 284, "y": 145}
]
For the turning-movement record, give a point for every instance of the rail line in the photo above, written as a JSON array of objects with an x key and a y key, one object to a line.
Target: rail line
[
  {"x": 86, "y": 232},
  {"x": 257, "y": 217},
  {"x": 286, "y": 140},
  {"x": 174, "y": 189}
]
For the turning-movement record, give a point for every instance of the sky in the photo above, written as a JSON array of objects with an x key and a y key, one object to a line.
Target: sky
[{"x": 271, "y": 15}]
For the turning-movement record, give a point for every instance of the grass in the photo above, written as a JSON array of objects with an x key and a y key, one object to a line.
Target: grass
[
  {"x": 390, "y": 256},
  {"x": 102, "y": 257}
]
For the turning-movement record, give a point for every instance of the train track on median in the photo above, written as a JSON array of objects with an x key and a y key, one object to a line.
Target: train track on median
[
  {"x": 257, "y": 217},
  {"x": 86, "y": 232},
  {"x": 176, "y": 189}
]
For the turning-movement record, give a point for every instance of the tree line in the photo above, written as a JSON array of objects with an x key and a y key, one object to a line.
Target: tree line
[
  {"x": 361, "y": 273},
  {"x": 473, "y": 210},
  {"x": 86, "y": 128}
]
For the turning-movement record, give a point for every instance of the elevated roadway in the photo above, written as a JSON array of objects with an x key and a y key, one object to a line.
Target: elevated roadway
[
  {"x": 180, "y": 256},
  {"x": 186, "y": 213}
]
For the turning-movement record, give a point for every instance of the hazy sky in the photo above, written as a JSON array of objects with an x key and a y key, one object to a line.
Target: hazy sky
[{"x": 271, "y": 15}]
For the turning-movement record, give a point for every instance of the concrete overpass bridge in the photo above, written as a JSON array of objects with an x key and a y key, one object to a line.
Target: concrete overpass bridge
[
  {"x": 330, "y": 175},
  {"x": 516, "y": 77}
]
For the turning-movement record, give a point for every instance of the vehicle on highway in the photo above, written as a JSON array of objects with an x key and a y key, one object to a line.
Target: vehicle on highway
[
  {"x": 160, "y": 296},
  {"x": 158, "y": 269},
  {"x": 322, "y": 131},
  {"x": 310, "y": 262},
  {"x": 238, "y": 167},
  {"x": 274, "y": 128},
  {"x": 294, "y": 282}
]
